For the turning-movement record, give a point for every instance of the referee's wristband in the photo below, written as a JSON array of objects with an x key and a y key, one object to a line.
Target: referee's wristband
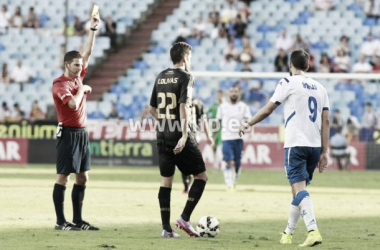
[{"x": 93, "y": 29}]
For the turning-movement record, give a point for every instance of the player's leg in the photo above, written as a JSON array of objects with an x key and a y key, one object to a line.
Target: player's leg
[
  {"x": 167, "y": 169},
  {"x": 238, "y": 149},
  {"x": 59, "y": 197},
  {"x": 347, "y": 162},
  {"x": 64, "y": 168},
  {"x": 82, "y": 163},
  {"x": 190, "y": 161},
  {"x": 228, "y": 156},
  {"x": 186, "y": 180},
  {"x": 305, "y": 201},
  {"x": 291, "y": 163}
]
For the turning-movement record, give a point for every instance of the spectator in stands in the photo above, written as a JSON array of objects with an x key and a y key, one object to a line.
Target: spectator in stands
[
  {"x": 371, "y": 9},
  {"x": 281, "y": 61},
  {"x": 21, "y": 73},
  {"x": 325, "y": 64},
  {"x": 284, "y": 42},
  {"x": 17, "y": 19},
  {"x": 362, "y": 66},
  {"x": 337, "y": 122},
  {"x": 223, "y": 31},
  {"x": 214, "y": 16},
  {"x": 5, "y": 74},
  {"x": 78, "y": 27},
  {"x": 311, "y": 63},
  {"x": 231, "y": 51},
  {"x": 5, "y": 19},
  {"x": 36, "y": 113},
  {"x": 111, "y": 32},
  {"x": 183, "y": 33},
  {"x": 32, "y": 21},
  {"x": 244, "y": 12},
  {"x": 200, "y": 28},
  {"x": 369, "y": 122},
  {"x": 4, "y": 113},
  {"x": 376, "y": 66},
  {"x": 368, "y": 47},
  {"x": 352, "y": 128},
  {"x": 246, "y": 67},
  {"x": 239, "y": 28},
  {"x": 324, "y": 4},
  {"x": 17, "y": 115},
  {"x": 339, "y": 149},
  {"x": 228, "y": 64},
  {"x": 114, "y": 114},
  {"x": 256, "y": 94},
  {"x": 343, "y": 45},
  {"x": 228, "y": 14},
  {"x": 341, "y": 62},
  {"x": 247, "y": 53},
  {"x": 214, "y": 32},
  {"x": 300, "y": 43}
]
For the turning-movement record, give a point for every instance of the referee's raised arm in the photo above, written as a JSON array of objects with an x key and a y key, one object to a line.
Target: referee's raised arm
[{"x": 95, "y": 20}]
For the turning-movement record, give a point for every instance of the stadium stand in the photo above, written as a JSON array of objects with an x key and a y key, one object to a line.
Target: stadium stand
[{"x": 266, "y": 21}]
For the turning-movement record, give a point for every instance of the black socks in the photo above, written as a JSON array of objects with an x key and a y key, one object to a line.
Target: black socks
[
  {"x": 164, "y": 199},
  {"x": 77, "y": 197},
  {"x": 195, "y": 194},
  {"x": 59, "y": 198}
]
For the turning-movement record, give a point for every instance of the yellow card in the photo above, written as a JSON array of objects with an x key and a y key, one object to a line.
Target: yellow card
[{"x": 95, "y": 10}]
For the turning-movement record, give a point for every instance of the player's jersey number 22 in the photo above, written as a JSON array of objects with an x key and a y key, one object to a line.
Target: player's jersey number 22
[{"x": 166, "y": 106}]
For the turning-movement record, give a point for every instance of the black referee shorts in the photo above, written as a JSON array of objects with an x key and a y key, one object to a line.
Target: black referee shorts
[
  {"x": 189, "y": 161},
  {"x": 73, "y": 151}
]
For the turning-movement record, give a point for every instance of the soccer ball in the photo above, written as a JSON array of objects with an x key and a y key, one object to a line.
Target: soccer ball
[{"x": 208, "y": 226}]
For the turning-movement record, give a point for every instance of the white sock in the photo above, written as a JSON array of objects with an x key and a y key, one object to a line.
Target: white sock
[
  {"x": 237, "y": 175},
  {"x": 293, "y": 219},
  {"x": 216, "y": 161},
  {"x": 307, "y": 213},
  {"x": 227, "y": 176}
]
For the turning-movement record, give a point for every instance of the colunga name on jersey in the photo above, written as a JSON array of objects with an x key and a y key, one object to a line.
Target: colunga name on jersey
[{"x": 167, "y": 80}]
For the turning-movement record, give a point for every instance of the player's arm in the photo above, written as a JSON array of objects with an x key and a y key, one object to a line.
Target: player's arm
[
  {"x": 263, "y": 113},
  {"x": 325, "y": 134},
  {"x": 153, "y": 112},
  {"x": 184, "y": 100},
  {"x": 90, "y": 41},
  {"x": 206, "y": 129}
]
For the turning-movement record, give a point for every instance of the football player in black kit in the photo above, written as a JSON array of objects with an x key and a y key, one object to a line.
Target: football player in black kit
[{"x": 170, "y": 106}]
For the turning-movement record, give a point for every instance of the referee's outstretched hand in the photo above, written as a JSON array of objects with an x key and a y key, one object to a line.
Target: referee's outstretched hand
[{"x": 180, "y": 145}]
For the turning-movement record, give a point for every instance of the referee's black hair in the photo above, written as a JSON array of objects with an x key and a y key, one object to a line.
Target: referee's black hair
[
  {"x": 178, "y": 51},
  {"x": 300, "y": 59},
  {"x": 71, "y": 55}
]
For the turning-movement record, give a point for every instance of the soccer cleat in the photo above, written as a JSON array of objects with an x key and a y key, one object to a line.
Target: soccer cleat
[
  {"x": 313, "y": 238},
  {"x": 84, "y": 225},
  {"x": 286, "y": 238},
  {"x": 67, "y": 226},
  {"x": 171, "y": 234},
  {"x": 187, "y": 227}
]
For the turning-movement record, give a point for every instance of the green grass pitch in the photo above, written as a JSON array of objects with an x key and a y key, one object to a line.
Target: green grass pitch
[{"x": 123, "y": 203}]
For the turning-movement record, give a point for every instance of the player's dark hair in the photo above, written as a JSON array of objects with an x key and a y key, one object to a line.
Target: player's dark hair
[
  {"x": 178, "y": 51},
  {"x": 300, "y": 59},
  {"x": 71, "y": 55}
]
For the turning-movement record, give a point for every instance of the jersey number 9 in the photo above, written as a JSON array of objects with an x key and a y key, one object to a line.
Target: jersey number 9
[{"x": 313, "y": 109}]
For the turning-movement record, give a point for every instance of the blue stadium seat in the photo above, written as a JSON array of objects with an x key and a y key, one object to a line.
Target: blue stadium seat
[
  {"x": 264, "y": 44},
  {"x": 369, "y": 22}
]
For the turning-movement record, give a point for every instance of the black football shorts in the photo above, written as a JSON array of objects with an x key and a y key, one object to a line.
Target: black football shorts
[
  {"x": 189, "y": 161},
  {"x": 73, "y": 151}
]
